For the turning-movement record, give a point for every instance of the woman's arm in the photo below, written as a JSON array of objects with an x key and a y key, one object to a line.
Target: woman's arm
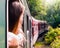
[
  {"x": 13, "y": 43},
  {"x": 12, "y": 40}
]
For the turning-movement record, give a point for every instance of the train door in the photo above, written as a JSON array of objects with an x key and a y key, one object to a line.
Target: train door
[{"x": 27, "y": 25}]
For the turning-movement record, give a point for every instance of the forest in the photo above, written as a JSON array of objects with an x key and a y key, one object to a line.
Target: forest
[{"x": 48, "y": 10}]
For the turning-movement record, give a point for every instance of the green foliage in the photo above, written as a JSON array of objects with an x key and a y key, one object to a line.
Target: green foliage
[
  {"x": 36, "y": 7},
  {"x": 44, "y": 11},
  {"x": 52, "y": 38},
  {"x": 55, "y": 43},
  {"x": 39, "y": 44},
  {"x": 51, "y": 35},
  {"x": 57, "y": 30}
]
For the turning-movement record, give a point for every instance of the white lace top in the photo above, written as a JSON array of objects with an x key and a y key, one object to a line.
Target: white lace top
[{"x": 20, "y": 38}]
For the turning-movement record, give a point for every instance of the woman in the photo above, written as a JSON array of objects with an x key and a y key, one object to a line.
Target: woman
[{"x": 15, "y": 36}]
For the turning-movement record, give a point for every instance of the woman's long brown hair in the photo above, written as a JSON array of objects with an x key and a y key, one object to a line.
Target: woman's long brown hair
[{"x": 15, "y": 11}]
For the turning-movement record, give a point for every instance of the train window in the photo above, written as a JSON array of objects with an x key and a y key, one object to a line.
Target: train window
[
  {"x": 38, "y": 26},
  {"x": 42, "y": 26}
]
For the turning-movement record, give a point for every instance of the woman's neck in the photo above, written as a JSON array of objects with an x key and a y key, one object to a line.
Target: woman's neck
[{"x": 16, "y": 29}]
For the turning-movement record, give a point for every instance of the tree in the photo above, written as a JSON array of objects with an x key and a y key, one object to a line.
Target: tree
[{"x": 42, "y": 10}]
